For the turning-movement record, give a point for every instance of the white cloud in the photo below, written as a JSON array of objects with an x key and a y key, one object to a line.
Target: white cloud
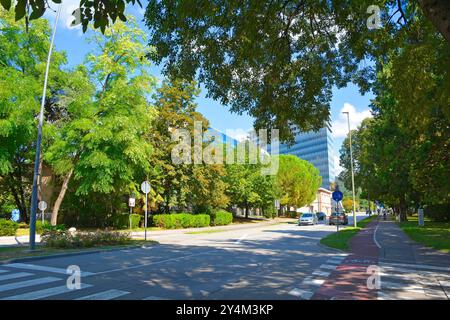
[
  {"x": 238, "y": 134},
  {"x": 66, "y": 17},
  {"x": 337, "y": 168},
  {"x": 340, "y": 126}
]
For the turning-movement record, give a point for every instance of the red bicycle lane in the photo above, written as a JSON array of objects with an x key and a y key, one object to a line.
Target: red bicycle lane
[{"x": 349, "y": 280}]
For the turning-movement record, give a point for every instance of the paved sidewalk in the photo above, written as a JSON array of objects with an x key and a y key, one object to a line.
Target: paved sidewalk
[
  {"x": 349, "y": 280},
  {"x": 406, "y": 269}
]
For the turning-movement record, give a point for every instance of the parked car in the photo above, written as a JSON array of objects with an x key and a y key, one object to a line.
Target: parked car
[
  {"x": 308, "y": 218},
  {"x": 338, "y": 218},
  {"x": 321, "y": 216}
]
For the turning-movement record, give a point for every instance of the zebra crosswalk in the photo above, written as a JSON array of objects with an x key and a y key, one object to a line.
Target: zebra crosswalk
[
  {"x": 310, "y": 284},
  {"x": 21, "y": 282},
  {"x": 406, "y": 282}
]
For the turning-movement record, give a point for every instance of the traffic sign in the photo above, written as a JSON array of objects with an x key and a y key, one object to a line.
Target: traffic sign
[
  {"x": 145, "y": 187},
  {"x": 337, "y": 195},
  {"x": 42, "y": 205},
  {"x": 131, "y": 202},
  {"x": 15, "y": 215}
]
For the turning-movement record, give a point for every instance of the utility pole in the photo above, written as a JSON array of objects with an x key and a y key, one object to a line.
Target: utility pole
[
  {"x": 351, "y": 165},
  {"x": 37, "y": 173}
]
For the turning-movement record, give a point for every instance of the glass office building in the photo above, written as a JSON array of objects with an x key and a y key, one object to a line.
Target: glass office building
[{"x": 317, "y": 148}]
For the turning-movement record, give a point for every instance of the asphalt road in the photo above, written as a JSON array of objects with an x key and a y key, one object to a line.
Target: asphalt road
[{"x": 282, "y": 261}]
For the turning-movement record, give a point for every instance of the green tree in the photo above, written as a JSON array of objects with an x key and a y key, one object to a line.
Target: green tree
[
  {"x": 279, "y": 60},
  {"x": 298, "y": 181},
  {"x": 103, "y": 143},
  {"x": 22, "y": 63}
]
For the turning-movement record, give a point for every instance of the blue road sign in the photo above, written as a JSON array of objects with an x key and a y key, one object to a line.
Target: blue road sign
[
  {"x": 15, "y": 215},
  {"x": 337, "y": 196}
]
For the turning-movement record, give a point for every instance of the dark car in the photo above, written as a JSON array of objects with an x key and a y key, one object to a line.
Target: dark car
[
  {"x": 321, "y": 216},
  {"x": 338, "y": 218}
]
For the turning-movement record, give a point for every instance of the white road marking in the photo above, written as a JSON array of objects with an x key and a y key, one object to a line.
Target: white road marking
[
  {"x": 314, "y": 282},
  {"x": 412, "y": 267},
  {"x": 105, "y": 295},
  {"x": 328, "y": 266},
  {"x": 304, "y": 294},
  {"x": 27, "y": 283},
  {"x": 444, "y": 283},
  {"x": 152, "y": 263},
  {"x": 241, "y": 238},
  {"x": 40, "y": 294},
  {"x": 154, "y": 298},
  {"x": 321, "y": 273},
  {"x": 392, "y": 296},
  {"x": 401, "y": 286},
  {"x": 42, "y": 268},
  {"x": 15, "y": 275},
  {"x": 375, "y": 237},
  {"x": 340, "y": 258}
]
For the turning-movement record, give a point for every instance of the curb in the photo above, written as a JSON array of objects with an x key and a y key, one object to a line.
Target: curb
[
  {"x": 331, "y": 249},
  {"x": 62, "y": 255}
]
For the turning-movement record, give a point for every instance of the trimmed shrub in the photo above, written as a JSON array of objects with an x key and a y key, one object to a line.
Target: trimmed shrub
[
  {"x": 294, "y": 214},
  {"x": 8, "y": 227},
  {"x": 221, "y": 218},
  {"x": 440, "y": 212},
  {"x": 65, "y": 239},
  {"x": 40, "y": 227},
  {"x": 122, "y": 221},
  {"x": 270, "y": 212},
  {"x": 135, "y": 220},
  {"x": 181, "y": 220}
]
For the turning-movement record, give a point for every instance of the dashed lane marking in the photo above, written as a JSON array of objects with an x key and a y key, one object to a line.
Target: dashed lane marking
[
  {"x": 105, "y": 295},
  {"x": 27, "y": 283},
  {"x": 40, "y": 294},
  {"x": 15, "y": 275}
]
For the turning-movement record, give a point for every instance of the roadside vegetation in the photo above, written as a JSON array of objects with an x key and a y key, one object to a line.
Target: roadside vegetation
[
  {"x": 434, "y": 234},
  {"x": 341, "y": 239}
]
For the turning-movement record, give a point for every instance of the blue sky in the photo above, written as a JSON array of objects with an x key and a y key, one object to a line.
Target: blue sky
[{"x": 73, "y": 41}]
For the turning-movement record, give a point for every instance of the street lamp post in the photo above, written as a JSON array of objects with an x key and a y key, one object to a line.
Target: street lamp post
[
  {"x": 37, "y": 157},
  {"x": 351, "y": 165}
]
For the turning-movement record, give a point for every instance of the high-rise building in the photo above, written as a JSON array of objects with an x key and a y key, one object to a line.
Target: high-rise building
[{"x": 317, "y": 148}]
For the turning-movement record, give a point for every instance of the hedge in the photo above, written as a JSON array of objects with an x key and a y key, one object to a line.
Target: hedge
[
  {"x": 40, "y": 227},
  {"x": 122, "y": 221},
  {"x": 221, "y": 218},
  {"x": 181, "y": 220},
  {"x": 440, "y": 212},
  {"x": 8, "y": 227}
]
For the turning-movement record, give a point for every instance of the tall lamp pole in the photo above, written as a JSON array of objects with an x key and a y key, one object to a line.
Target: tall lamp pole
[
  {"x": 351, "y": 165},
  {"x": 37, "y": 157}
]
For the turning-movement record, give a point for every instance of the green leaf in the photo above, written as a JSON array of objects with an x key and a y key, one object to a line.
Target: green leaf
[
  {"x": 6, "y": 4},
  {"x": 20, "y": 9},
  {"x": 37, "y": 13}
]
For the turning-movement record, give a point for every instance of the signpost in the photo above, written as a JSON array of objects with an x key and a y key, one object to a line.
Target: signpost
[
  {"x": 42, "y": 206},
  {"x": 337, "y": 196},
  {"x": 145, "y": 187},
  {"x": 421, "y": 220},
  {"x": 131, "y": 204}
]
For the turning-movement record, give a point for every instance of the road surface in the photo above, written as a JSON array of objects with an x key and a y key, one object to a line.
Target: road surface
[{"x": 282, "y": 261}]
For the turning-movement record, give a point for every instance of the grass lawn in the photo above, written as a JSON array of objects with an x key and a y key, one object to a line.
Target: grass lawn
[
  {"x": 435, "y": 235},
  {"x": 22, "y": 251},
  {"x": 341, "y": 239}
]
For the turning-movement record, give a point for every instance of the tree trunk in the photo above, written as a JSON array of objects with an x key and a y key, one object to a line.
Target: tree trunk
[
  {"x": 438, "y": 12},
  {"x": 60, "y": 198},
  {"x": 246, "y": 212}
]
